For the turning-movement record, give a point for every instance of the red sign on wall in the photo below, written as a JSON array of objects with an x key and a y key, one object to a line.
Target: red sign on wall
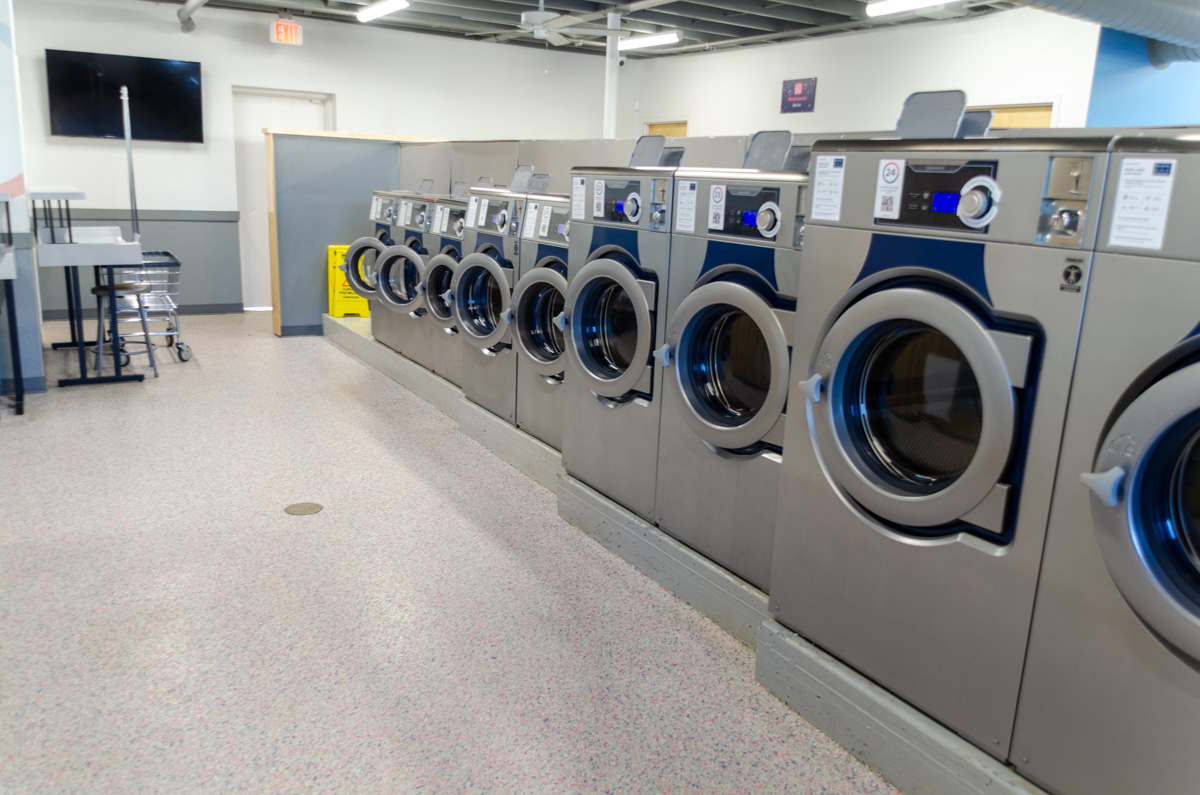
[
  {"x": 285, "y": 31},
  {"x": 799, "y": 96}
]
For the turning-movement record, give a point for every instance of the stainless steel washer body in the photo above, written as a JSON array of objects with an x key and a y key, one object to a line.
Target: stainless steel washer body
[
  {"x": 447, "y": 228},
  {"x": 943, "y": 286},
  {"x": 615, "y": 317},
  {"x": 734, "y": 274},
  {"x": 482, "y": 296},
  {"x": 539, "y": 297},
  {"x": 1110, "y": 700},
  {"x": 398, "y": 312}
]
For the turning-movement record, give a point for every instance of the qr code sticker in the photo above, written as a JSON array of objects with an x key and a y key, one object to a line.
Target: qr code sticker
[{"x": 887, "y": 204}]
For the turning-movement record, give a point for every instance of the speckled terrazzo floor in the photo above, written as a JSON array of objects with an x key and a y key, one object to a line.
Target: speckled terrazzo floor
[{"x": 437, "y": 628}]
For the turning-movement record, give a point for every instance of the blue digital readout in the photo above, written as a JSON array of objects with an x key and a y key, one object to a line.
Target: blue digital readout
[
  {"x": 620, "y": 207},
  {"x": 749, "y": 218},
  {"x": 560, "y": 229},
  {"x": 945, "y": 202}
]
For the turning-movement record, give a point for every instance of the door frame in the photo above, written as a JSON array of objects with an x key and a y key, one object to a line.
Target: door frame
[{"x": 328, "y": 100}]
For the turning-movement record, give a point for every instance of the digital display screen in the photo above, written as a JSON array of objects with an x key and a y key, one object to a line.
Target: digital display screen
[
  {"x": 560, "y": 228},
  {"x": 620, "y": 207},
  {"x": 750, "y": 218},
  {"x": 945, "y": 203}
]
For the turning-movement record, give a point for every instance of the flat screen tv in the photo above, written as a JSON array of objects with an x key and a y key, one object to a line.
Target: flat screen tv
[{"x": 85, "y": 96}]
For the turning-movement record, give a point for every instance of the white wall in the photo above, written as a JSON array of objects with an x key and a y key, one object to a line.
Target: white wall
[
  {"x": 358, "y": 64},
  {"x": 1017, "y": 57}
]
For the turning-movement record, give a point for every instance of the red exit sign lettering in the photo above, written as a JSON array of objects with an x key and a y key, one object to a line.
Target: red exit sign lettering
[{"x": 284, "y": 31}]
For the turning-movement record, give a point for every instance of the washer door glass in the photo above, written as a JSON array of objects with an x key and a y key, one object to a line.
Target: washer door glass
[
  {"x": 439, "y": 277},
  {"x": 1147, "y": 507},
  {"x": 611, "y": 328},
  {"x": 400, "y": 277},
  {"x": 732, "y": 360},
  {"x": 360, "y": 266},
  {"x": 919, "y": 411},
  {"x": 920, "y": 420},
  {"x": 538, "y": 299},
  {"x": 482, "y": 295}
]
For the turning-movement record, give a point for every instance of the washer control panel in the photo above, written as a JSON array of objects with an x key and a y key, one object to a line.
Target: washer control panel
[
  {"x": 748, "y": 212},
  {"x": 449, "y": 220},
  {"x": 619, "y": 201},
  {"x": 962, "y": 197}
]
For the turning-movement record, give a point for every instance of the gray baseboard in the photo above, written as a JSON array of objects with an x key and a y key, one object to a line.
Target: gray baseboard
[
  {"x": 735, "y": 605},
  {"x": 89, "y": 313},
  {"x": 300, "y": 331},
  {"x": 532, "y": 456},
  {"x": 908, "y": 748}
]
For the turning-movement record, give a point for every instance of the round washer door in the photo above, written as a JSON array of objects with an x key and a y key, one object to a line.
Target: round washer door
[
  {"x": 918, "y": 414},
  {"x": 1147, "y": 507},
  {"x": 610, "y": 329},
  {"x": 359, "y": 266},
  {"x": 482, "y": 296},
  {"x": 731, "y": 364},
  {"x": 400, "y": 279},
  {"x": 539, "y": 297},
  {"x": 439, "y": 298}
]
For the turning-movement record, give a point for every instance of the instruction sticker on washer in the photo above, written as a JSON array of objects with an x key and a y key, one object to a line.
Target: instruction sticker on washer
[
  {"x": 685, "y": 207},
  {"x": 830, "y": 180},
  {"x": 472, "y": 209},
  {"x": 376, "y": 202},
  {"x": 437, "y": 219},
  {"x": 1143, "y": 203},
  {"x": 483, "y": 219},
  {"x": 598, "y": 199},
  {"x": 408, "y": 208},
  {"x": 716, "y": 207},
  {"x": 578, "y": 197},
  {"x": 547, "y": 212},
  {"x": 889, "y": 190},
  {"x": 531, "y": 212}
]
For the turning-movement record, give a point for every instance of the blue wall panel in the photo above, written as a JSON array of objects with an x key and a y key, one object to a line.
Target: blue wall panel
[{"x": 1128, "y": 91}]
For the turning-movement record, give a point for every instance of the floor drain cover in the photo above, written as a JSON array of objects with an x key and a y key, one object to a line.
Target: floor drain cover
[{"x": 304, "y": 508}]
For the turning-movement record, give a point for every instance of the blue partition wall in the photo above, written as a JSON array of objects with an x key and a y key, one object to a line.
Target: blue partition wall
[{"x": 1128, "y": 91}]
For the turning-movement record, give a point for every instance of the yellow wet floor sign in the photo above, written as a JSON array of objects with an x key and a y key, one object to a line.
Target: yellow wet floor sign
[{"x": 342, "y": 298}]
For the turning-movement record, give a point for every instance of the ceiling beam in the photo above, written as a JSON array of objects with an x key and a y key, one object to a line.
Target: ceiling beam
[
  {"x": 728, "y": 29},
  {"x": 759, "y": 8}
]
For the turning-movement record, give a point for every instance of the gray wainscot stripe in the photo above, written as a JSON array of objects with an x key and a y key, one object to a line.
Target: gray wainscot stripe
[{"x": 212, "y": 216}]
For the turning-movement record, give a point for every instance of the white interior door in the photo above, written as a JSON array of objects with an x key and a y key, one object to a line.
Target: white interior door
[{"x": 253, "y": 110}]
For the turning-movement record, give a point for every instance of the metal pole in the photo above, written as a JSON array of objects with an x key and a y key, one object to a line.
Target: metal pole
[
  {"x": 612, "y": 62},
  {"x": 137, "y": 232}
]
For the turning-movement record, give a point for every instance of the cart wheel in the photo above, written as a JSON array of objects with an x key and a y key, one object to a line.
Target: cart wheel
[
  {"x": 124, "y": 359},
  {"x": 185, "y": 353}
]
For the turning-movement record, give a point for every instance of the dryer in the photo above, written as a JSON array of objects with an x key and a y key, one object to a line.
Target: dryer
[
  {"x": 447, "y": 229},
  {"x": 726, "y": 359},
  {"x": 614, "y": 319},
  {"x": 1110, "y": 701},
  {"x": 359, "y": 264},
  {"x": 480, "y": 297},
  {"x": 538, "y": 298},
  {"x": 399, "y": 274},
  {"x": 935, "y": 336}
]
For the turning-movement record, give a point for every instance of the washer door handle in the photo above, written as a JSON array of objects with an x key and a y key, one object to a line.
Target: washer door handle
[
  {"x": 560, "y": 321},
  {"x": 447, "y": 296},
  {"x": 506, "y": 316},
  {"x": 1106, "y": 485},
  {"x": 663, "y": 355},
  {"x": 420, "y": 289},
  {"x": 812, "y": 387}
]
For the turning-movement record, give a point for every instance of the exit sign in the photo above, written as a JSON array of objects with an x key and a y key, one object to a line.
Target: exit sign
[{"x": 284, "y": 31}]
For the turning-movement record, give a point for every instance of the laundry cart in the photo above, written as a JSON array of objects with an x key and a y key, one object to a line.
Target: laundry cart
[{"x": 159, "y": 272}]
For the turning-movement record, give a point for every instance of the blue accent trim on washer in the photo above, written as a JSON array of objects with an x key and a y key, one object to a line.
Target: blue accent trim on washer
[
  {"x": 454, "y": 243},
  {"x": 550, "y": 250},
  {"x": 609, "y": 236},
  {"x": 958, "y": 258},
  {"x": 759, "y": 259},
  {"x": 1194, "y": 333},
  {"x": 497, "y": 242}
]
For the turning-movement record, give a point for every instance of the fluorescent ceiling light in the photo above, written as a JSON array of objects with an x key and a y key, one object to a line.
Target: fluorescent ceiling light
[
  {"x": 653, "y": 40},
  {"x": 885, "y": 7},
  {"x": 380, "y": 8}
]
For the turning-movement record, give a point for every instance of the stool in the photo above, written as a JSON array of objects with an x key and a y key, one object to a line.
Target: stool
[{"x": 133, "y": 291}]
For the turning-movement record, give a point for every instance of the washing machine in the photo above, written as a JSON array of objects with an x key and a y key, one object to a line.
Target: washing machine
[
  {"x": 481, "y": 296},
  {"x": 539, "y": 297},
  {"x": 617, "y": 270},
  {"x": 445, "y": 247},
  {"x": 935, "y": 335},
  {"x": 360, "y": 261},
  {"x": 734, "y": 274},
  {"x": 402, "y": 324},
  {"x": 1110, "y": 701}
]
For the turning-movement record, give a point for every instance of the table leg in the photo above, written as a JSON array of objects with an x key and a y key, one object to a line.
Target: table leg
[{"x": 14, "y": 343}]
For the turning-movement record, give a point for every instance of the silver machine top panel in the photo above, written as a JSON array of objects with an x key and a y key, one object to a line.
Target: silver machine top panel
[
  {"x": 547, "y": 219},
  {"x": 634, "y": 197},
  {"x": 740, "y": 205},
  {"x": 1028, "y": 191},
  {"x": 1147, "y": 207}
]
